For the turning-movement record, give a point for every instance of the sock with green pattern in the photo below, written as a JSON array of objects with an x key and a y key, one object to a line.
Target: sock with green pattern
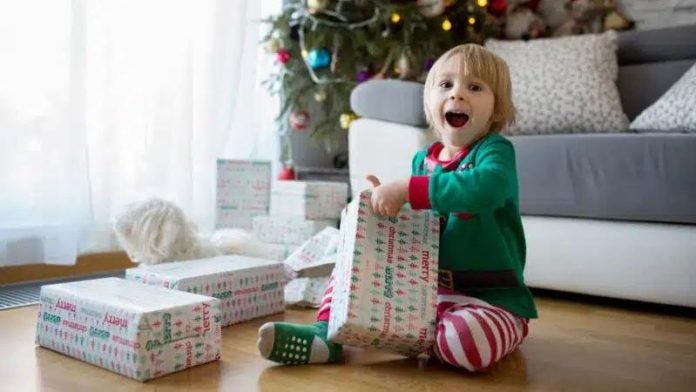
[{"x": 297, "y": 344}]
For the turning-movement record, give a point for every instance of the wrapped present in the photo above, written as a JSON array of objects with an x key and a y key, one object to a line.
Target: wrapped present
[
  {"x": 316, "y": 257},
  {"x": 129, "y": 328},
  {"x": 247, "y": 287},
  {"x": 306, "y": 292},
  {"x": 288, "y": 230},
  {"x": 314, "y": 200},
  {"x": 242, "y": 192},
  {"x": 385, "y": 291}
]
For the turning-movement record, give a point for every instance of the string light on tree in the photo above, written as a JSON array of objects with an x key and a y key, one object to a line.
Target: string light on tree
[
  {"x": 395, "y": 18},
  {"x": 472, "y": 20},
  {"x": 320, "y": 96},
  {"x": 446, "y": 25},
  {"x": 482, "y": 3}
]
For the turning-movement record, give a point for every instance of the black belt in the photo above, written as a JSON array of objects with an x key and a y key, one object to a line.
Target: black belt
[{"x": 462, "y": 280}]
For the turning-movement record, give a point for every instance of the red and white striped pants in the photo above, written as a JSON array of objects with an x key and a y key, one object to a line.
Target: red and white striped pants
[{"x": 470, "y": 333}]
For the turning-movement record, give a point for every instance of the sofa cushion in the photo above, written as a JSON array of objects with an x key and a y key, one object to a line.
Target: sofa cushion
[
  {"x": 675, "y": 111},
  {"x": 564, "y": 85},
  {"x": 665, "y": 44},
  {"x": 640, "y": 85},
  {"x": 641, "y": 177}
]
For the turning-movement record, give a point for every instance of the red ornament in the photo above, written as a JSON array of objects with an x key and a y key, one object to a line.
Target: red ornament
[
  {"x": 283, "y": 56},
  {"x": 287, "y": 174},
  {"x": 299, "y": 120},
  {"x": 497, "y": 7}
]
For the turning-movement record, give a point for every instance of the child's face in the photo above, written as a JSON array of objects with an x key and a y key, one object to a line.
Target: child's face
[{"x": 460, "y": 105}]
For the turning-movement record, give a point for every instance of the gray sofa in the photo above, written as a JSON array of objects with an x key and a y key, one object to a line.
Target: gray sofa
[{"x": 610, "y": 214}]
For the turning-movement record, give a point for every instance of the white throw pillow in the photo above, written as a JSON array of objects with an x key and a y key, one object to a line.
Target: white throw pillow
[
  {"x": 674, "y": 111},
  {"x": 564, "y": 85}
]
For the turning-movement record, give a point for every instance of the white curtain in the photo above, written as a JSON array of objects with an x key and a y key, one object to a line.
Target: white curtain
[{"x": 107, "y": 102}]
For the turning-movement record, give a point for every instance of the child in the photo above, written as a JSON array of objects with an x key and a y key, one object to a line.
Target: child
[{"x": 469, "y": 179}]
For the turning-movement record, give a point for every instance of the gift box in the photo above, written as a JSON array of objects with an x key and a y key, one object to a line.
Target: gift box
[
  {"x": 306, "y": 292},
  {"x": 242, "y": 192},
  {"x": 314, "y": 200},
  {"x": 247, "y": 287},
  {"x": 129, "y": 328},
  {"x": 316, "y": 257},
  {"x": 288, "y": 230},
  {"x": 385, "y": 292}
]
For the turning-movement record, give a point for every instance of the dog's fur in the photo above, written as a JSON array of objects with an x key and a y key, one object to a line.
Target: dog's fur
[{"x": 157, "y": 231}]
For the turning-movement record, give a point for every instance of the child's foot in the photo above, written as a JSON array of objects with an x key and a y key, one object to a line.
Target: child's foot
[{"x": 297, "y": 344}]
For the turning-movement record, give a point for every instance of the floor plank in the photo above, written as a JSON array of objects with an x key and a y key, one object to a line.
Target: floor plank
[{"x": 573, "y": 346}]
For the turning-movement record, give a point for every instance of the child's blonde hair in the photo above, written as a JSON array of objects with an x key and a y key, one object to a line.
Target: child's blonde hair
[{"x": 485, "y": 65}]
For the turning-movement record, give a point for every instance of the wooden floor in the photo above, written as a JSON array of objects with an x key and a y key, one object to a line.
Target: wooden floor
[{"x": 572, "y": 347}]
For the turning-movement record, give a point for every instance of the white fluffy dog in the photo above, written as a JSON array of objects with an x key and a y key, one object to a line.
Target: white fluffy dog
[{"x": 156, "y": 231}]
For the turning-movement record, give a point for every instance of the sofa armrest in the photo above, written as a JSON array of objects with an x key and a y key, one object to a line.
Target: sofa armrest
[{"x": 382, "y": 148}]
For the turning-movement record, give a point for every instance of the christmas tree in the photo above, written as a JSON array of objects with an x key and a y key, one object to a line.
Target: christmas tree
[{"x": 324, "y": 48}]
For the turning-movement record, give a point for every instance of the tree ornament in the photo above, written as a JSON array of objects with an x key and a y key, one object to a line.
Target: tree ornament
[
  {"x": 431, "y": 8},
  {"x": 320, "y": 96},
  {"x": 287, "y": 173},
  {"x": 314, "y": 6},
  {"x": 403, "y": 65},
  {"x": 299, "y": 120},
  {"x": 446, "y": 25},
  {"x": 497, "y": 7},
  {"x": 346, "y": 119},
  {"x": 283, "y": 56},
  {"x": 273, "y": 45},
  {"x": 319, "y": 58},
  {"x": 395, "y": 18},
  {"x": 363, "y": 76}
]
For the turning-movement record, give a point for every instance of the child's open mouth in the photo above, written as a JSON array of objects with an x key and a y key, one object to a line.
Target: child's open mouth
[{"x": 456, "y": 119}]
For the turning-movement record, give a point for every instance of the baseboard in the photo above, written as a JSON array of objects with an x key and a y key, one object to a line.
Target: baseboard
[{"x": 86, "y": 264}]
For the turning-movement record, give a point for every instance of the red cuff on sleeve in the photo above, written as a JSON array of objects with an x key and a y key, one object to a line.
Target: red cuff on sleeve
[{"x": 418, "y": 192}]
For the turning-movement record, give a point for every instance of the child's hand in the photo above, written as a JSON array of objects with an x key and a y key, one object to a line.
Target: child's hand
[{"x": 387, "y": 199}]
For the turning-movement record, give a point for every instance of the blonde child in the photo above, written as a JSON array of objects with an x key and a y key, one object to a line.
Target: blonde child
[{"x": 469, "y": 179}]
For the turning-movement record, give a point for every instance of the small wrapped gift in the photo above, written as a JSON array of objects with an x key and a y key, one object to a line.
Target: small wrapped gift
[
  {"x": 243, "y": 192},
  {"x": 385, "y": 292},
  {"x": 132, "y": 329},
  {"x": 316, "y": 257},
  {"x": 313, "y": 200},
  {"x": 247, "y": 287}
]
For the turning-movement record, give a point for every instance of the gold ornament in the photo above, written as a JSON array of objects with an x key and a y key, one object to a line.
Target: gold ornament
[
  {"x": 482, "y": 3},
  {"x": 395, "y": 18},
  {"x": 346, "y": 119},
  {"x": 446, "y": 25},
  {"x": 315, "y": 6}
]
